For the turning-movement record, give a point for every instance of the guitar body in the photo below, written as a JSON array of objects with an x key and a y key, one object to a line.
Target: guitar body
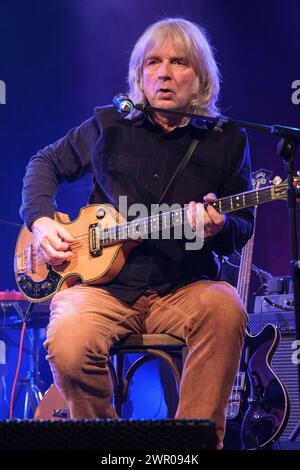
[
  {"x": 258, "y": 409},
  {"x": 52, "y": 406},
  {"x": 38, "y": 281}
]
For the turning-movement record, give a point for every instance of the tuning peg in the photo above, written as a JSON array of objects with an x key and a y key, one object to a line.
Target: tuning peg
[{"x": 276, "y": 180}]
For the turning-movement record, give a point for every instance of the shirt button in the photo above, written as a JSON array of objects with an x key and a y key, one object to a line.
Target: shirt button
[{"x": 156, "y": 176}]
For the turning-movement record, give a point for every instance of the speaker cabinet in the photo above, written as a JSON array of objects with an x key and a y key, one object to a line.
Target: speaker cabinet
[{"x": 115, "y": 435}]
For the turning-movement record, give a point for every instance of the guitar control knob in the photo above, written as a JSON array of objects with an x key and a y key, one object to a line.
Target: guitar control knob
[
  {"x": 277, "y": 180},
  {"x": 100, "y": 213}
]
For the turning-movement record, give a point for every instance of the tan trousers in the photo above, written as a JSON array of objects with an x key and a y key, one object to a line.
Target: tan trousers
[{"x": 86, "y": 321}]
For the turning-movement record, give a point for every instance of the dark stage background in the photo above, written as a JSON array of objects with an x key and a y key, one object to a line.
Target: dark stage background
[{"x": 61, "y": 58}]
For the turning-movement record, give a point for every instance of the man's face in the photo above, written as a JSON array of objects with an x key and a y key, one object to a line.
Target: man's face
[{"x": 168, "y": 80}]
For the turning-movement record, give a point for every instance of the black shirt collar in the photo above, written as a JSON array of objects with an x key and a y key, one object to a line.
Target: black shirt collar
[{"x": 144, "y": 118}]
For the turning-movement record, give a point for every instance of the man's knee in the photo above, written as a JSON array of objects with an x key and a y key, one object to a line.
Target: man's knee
[
  {"x": 71, "y": 350},
  {"x": 220, "y": 305}
]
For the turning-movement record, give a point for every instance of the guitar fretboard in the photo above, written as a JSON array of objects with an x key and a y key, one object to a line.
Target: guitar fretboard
[{"x": 143, "y": 227}]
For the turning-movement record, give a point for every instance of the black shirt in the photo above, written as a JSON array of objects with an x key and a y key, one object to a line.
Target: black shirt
[{"x": 136, "y": 158}]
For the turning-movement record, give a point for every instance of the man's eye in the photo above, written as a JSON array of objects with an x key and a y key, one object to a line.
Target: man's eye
[{"x": 179, "y": 62}]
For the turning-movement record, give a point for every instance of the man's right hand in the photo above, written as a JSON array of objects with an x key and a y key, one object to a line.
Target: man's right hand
[{"x": 53, "y": 240}]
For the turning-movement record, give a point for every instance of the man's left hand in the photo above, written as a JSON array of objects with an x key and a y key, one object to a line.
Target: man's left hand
[{"x": 213, "y": 221}]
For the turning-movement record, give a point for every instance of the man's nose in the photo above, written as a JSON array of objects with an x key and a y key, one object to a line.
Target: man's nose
[{"x": 164, "y": 71}]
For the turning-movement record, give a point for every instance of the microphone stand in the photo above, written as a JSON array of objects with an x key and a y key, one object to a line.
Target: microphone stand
[
  {"x": 211, "y": 122},
  {"x": 286, "y": 149}
]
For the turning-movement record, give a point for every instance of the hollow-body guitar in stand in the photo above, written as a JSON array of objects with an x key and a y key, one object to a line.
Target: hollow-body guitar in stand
[{"x": 258, "y": 408}]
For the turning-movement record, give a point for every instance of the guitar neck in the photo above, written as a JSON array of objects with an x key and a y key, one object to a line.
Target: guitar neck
[
  {"x": 259, "y": 178},
  {"x": 243, "y": 200},
  {"x": 244, "y": 276},
  {"x": 143, "y": 227}
]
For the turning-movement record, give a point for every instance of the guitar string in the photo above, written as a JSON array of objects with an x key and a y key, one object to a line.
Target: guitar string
[
  {"x": 227, "y": 206},
  {"x": 126, "y": 226},
  {"x": 84, "y": 238},
  {"x": 38, "y": 259},
  {"x": 82, "y": 245},
  {"x": 79, "y": 248}
]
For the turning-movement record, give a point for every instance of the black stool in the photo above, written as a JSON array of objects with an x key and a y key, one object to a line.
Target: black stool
[{"x": 170, "y": 349}]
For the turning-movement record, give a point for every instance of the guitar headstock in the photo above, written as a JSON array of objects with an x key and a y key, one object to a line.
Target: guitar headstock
[
  {"x": 280, "y": 187},
  {"x": 261, "y": 178}
]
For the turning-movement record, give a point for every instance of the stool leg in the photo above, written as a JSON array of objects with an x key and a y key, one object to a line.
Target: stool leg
[
  {"x": 119, "y": 396},
  {"x": 184, "y": 353}
]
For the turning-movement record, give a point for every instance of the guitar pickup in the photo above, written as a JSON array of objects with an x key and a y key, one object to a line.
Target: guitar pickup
[{"x": 95, "y": 242}]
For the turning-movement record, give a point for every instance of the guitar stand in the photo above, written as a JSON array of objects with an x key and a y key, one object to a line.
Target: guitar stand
[{"x": 32, "y": 397}]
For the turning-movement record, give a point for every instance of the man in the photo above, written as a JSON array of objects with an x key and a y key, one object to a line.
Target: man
[{"x": 163, "y": 288}]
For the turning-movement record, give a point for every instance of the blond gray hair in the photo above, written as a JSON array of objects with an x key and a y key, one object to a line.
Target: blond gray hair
[{"x": 192, "y": 40}]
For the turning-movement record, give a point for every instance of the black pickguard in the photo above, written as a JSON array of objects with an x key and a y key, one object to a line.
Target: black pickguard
[{"x": 38, "y": 290}]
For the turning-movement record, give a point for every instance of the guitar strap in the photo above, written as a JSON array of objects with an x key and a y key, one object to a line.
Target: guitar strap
[{"x": 178, "y": 171}]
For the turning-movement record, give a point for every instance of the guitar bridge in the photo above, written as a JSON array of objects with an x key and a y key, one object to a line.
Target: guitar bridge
[
  {"x": 25, "y": 261},
  {"x": 95, "y": 245},
  {"x": 235, "y": 399}
]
